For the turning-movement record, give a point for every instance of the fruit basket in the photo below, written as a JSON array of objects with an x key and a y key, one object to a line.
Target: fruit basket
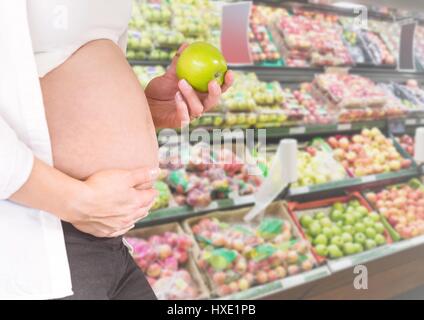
[
  {"x": 237, "y": 257},
  {"x": 164, "y": 254},
  {"x": 402, "y": 206},
  {"x": 369, "y": 153},
  {"x": 338, "y": 227}
]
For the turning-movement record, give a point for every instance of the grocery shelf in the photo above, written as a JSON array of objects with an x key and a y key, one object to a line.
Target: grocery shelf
[
  {"x": 401, "y": 264},
  {"x": 183, "y": 212}
]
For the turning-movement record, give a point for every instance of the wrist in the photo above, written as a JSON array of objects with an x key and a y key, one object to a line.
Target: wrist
[{"x": 77, "y": 202}]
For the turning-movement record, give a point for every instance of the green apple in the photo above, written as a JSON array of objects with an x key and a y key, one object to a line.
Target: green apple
[
  {"x": 368, "y": 222},
  {"x": 349, "y": 248},
  {"x": 348, "y": 229},
  {"x": 334, "y": 251},
  {"x": 346, "y": 237},
  {"x": 357, "y": 215},
  {"x": 358, "y": 247},
  {"x": 306, "y": 220},
  {"x": 337, "y": 240},
  {"x": 350, "y": 209},
  {"x": 338, "y": 206},
  {"x": 370, "y": 244},
  {"x": 354, "y": 203},
  {"x": 340, "y": 223},
  {"x": 336, "y": 230},
  {"x": 325, "y": 222},
  {"x": 321, "y": 250},
  {"x": 360, "y": 237},
  {"x": 336, "y": 215},
  {"x": 379, "y": 227},
  {"x": 327, "y": 232},
  {"x": 362, "y": 210},
  {"x": 374, "y": 216},
  {"x": 320, "y": 215},
  {"x": 349, "y": 219},
  {"x": 199, "y": 64},
  {"x": 320, "y": 239},
  {"x": 359, "y": 227},
  {"x": 370, "y": 232},
  {"x": 379, "y": 239},
  {"x": 314, "y": 229}
]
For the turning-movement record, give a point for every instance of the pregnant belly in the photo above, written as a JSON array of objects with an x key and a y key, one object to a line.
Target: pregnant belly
[{"x": 97, "y": 113}]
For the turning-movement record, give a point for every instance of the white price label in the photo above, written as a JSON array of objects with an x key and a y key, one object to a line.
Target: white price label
[
  {"x": 293, "y": 281},
  {"x": 244, "y": 200},
  {"x": 410, "y": 122},
  {"x": 299, "y": 190},
  {"x": 297, "y": 130},
  {"x": 368, "y": 179},
  {"x": 341, "y": 264},
  {"x": 344, "y": 126}
]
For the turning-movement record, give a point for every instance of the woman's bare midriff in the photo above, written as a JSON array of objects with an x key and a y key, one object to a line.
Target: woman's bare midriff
[{"x": 97, "y": 113}]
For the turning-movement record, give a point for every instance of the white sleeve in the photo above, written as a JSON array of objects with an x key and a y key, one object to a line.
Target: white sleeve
[
  {"x": 16, "y": 161},
  {"x": 16, "y": 158}
]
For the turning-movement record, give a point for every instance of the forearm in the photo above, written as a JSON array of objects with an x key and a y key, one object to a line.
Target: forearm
[{"x": 50, "y": 190}]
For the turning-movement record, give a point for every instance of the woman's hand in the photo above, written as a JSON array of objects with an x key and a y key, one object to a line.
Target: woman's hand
[
  {"x": 174, "y": 102},
  {"x": 107, "y": 204},
  {"x": 114, "y": 200}
]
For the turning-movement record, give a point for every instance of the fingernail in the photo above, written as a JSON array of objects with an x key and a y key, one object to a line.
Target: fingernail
[
  {"x": 185, "y": 84},
  {"x": 154, "y": 173},
  {"x": 179, "y": 96},
  {"x": 215, "y": 87}
]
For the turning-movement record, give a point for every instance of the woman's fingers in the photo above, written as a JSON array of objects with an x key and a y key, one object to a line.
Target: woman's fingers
[
  {"x": 173, "y": 66},
  {"x": 145, "y": 198},
  {"x": 228, "y": 81},
  {"x": 213, "y": 97},
  {"x": 120, "y": 232},
  {"x": 142, "y": 176},
  {"x": 182, "y": 108},
  {"x": 195, "y": 106}
]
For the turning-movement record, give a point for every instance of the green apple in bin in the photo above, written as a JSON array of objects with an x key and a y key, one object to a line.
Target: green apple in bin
[{"x": 199, "y": 64}]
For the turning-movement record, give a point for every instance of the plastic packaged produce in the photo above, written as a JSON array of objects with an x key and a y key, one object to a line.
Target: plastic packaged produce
[
  {"x": 312, "y": 39},
  {"x": 164, "y": 257},
  {"x": 238, "y": 256}
]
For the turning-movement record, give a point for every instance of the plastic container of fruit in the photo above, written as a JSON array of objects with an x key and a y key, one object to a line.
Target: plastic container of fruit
[
  {"x": 400, "y": 202},
  {"x": 235, "y": 217},
  {"x": 190, "y": 265},
  {"x": 297, "y": 210}
]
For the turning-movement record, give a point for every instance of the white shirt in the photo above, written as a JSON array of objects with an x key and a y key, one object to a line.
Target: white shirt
[
  {"x": 33, "y": 259},
  {"x": 60, "y": 27}
]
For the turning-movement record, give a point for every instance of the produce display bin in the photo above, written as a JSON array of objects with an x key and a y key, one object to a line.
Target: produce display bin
[
  {"x": 297, "y": 209},
  {"x": 276, "y": 209},
  {"x": 191, "y": 267}
]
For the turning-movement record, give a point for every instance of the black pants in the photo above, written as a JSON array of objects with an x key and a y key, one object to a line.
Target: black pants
[{"x": 103, "y": 269}]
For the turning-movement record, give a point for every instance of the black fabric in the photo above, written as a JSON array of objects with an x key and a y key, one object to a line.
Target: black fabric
[{"x": 103, "y": 269}]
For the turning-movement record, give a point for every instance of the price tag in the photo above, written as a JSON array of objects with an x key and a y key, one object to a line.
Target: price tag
[
  {"x": 344, "y": 126},
  {"x": 297, "y": 130},
  {"x": 410, "y": 122},
  {"x": 406, "y": 59},
  {"x": 299, "y": 190},
  {"x": 341, "y": 264},
  {"x": 368, "y": 179},
  {"x": 244, "y": 200},
  {"x": 234, "y": 33},
  {"x": 293, "y": 281}
]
